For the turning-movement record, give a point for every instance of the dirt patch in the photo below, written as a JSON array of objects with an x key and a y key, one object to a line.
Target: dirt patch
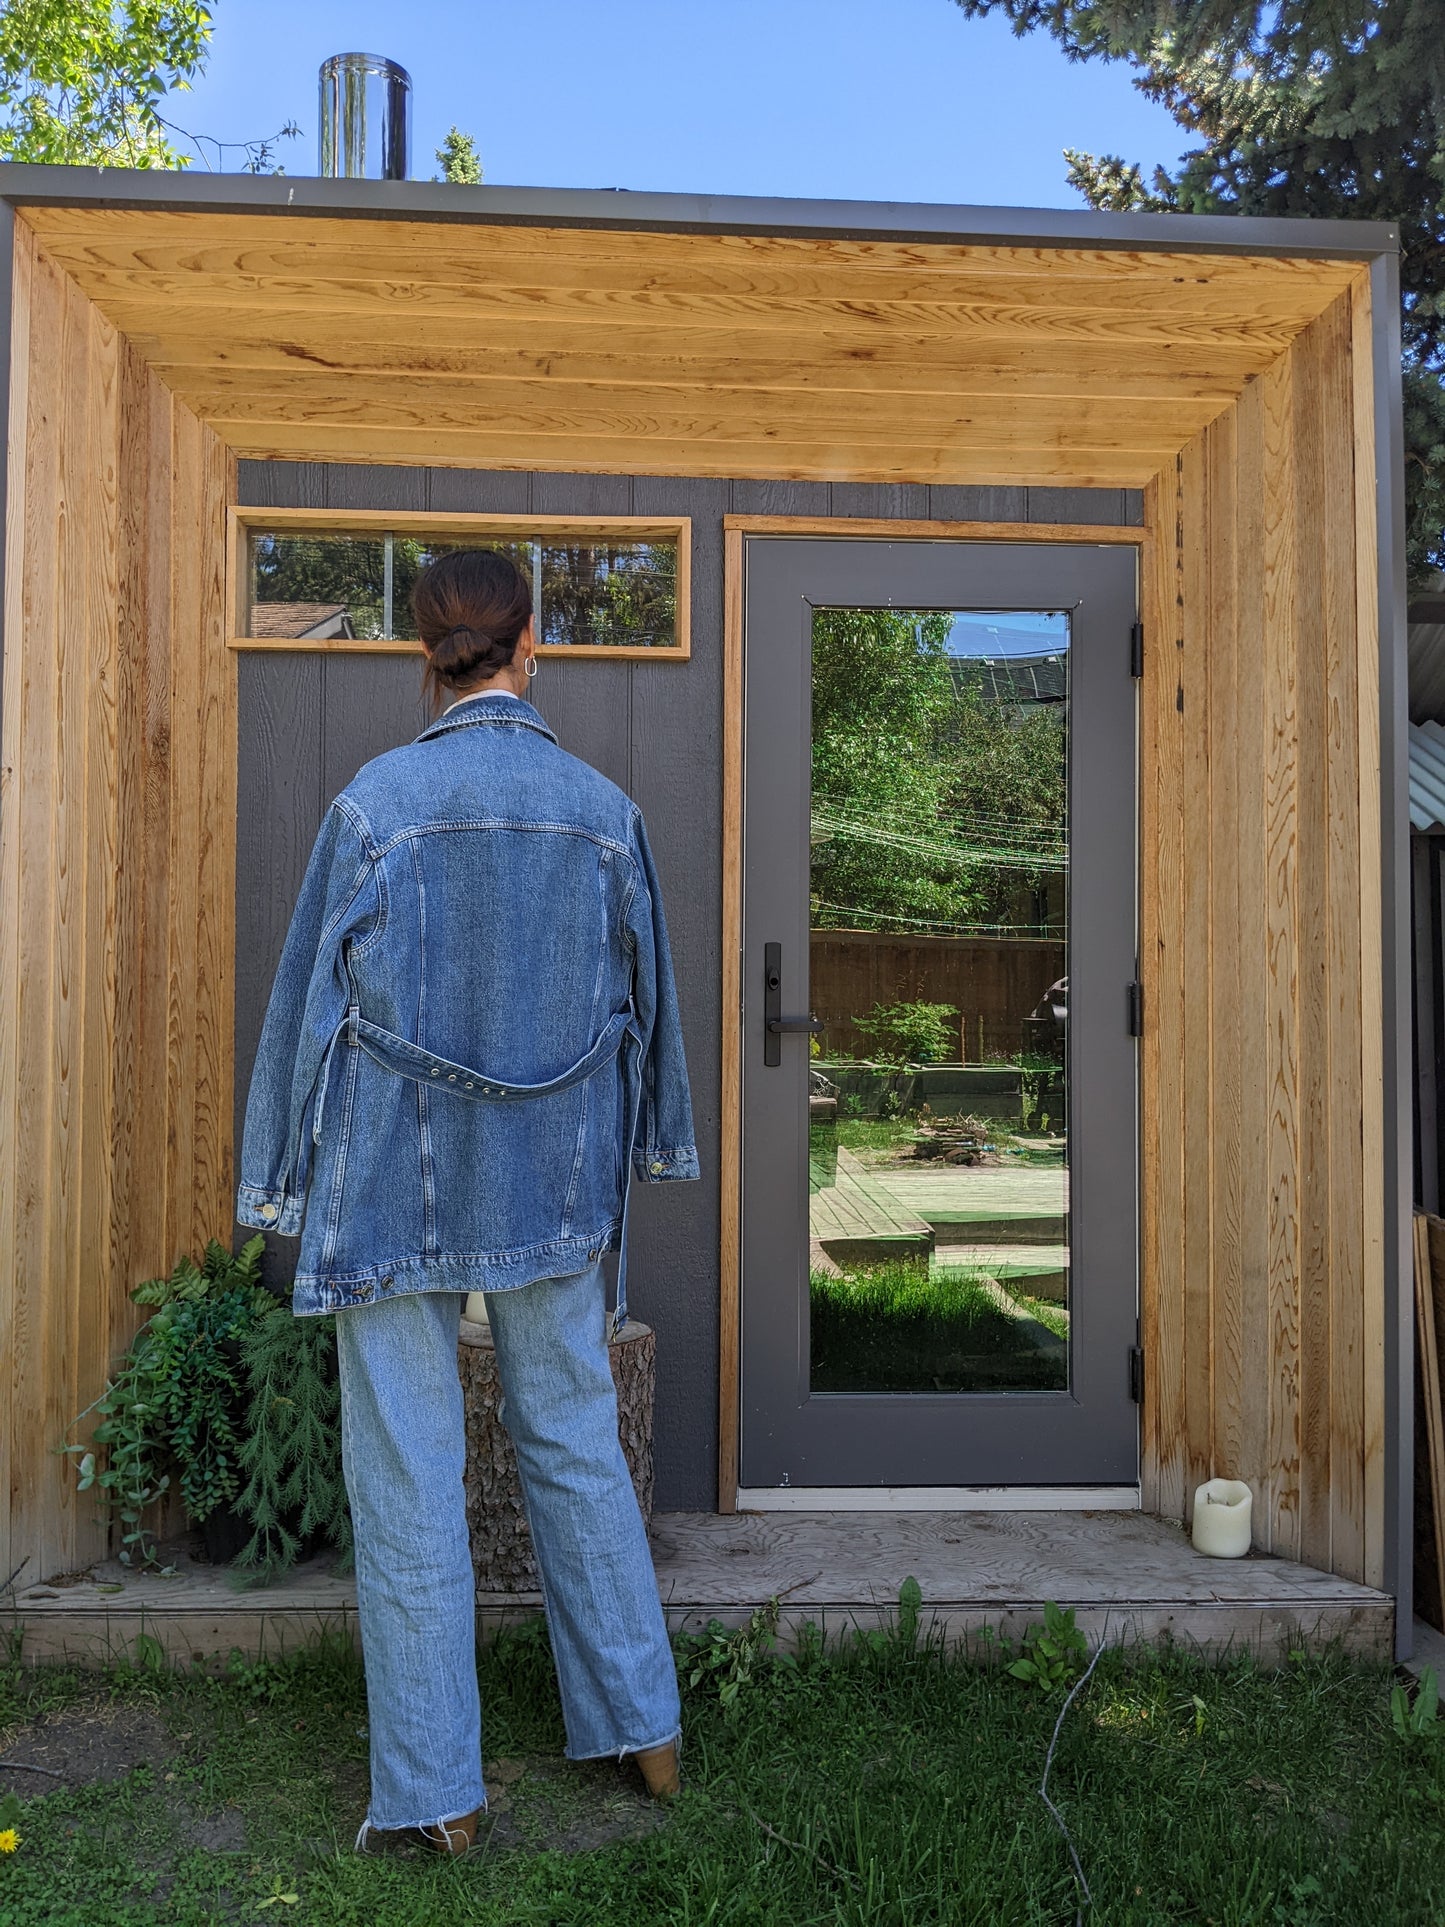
[
  {"x": 566, "y": 1806},
  {"x": 100, "y": 1741},
  {"x": 89, "y": 1744}
]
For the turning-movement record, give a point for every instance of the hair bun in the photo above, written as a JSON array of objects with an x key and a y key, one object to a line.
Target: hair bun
[{"x": 471, "y": 606}]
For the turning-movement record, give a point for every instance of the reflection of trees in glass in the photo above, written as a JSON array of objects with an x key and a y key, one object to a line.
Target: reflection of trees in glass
[
  {"x": 933, "y": 803},
  {"x": 622, "y": 595},
  {"x": 612, "y": 594}
]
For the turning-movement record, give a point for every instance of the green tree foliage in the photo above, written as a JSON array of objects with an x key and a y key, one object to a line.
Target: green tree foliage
[
  {"x": 1307, "y": 107},
  {"x": 458, "y": 159},
  {"x": 81, "y": 81},
  {"x": 932, "y": 801}
]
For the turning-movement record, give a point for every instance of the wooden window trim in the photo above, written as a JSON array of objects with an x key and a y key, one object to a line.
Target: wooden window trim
[{"x": 632, "y": 528}]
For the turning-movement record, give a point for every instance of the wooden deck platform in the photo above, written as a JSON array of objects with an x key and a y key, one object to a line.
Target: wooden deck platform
[{"x": 1132, "y": 1578}]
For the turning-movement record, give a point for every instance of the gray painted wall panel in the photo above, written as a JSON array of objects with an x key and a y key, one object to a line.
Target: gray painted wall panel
[{"x": 307, "y": 723}]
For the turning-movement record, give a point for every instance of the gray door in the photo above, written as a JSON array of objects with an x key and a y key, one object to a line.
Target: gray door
[{"x": 939, "y": 1125}]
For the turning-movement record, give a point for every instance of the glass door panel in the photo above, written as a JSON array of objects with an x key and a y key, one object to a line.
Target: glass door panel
[
  {"x": 938, "y": 970},
  {"x": 939, "y": 1144}
]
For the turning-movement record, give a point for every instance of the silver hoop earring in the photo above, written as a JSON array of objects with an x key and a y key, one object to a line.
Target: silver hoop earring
[{"x": 530, "y": 667}]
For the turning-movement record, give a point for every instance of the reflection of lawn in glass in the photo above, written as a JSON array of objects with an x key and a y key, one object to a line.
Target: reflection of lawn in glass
[{"x": 899, "y": 1328}]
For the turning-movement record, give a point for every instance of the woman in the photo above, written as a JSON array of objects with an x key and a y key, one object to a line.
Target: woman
[{"x": 471, "y": 1042}]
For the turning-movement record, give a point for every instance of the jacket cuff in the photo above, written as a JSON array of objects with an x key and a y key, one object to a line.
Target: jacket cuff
[
  {"x": 657, "y": 1167},
  {"x": 269, "y": 1210}
]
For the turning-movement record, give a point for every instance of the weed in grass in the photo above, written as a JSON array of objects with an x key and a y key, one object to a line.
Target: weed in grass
[
  {"x": 1054, "y": 1654},
  {"x": 726, "y": 1658},
  {"x": 1418, "y": 1718}
]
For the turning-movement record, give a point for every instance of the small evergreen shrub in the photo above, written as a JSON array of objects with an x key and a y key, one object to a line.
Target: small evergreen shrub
[{"x": 224, "y": 1393}]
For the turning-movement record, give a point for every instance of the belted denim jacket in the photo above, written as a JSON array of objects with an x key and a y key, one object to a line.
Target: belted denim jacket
[{"x": 473, "y": 1028}]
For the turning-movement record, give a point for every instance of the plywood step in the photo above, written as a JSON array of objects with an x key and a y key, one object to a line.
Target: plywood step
[{"x": 1133, "y": 1579}]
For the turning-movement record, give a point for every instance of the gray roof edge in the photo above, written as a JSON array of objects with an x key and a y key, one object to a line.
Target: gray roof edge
[{"x": 31, "y": 184}]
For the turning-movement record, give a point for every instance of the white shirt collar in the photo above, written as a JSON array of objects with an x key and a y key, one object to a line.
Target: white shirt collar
[{"x": 510, "y": 694}]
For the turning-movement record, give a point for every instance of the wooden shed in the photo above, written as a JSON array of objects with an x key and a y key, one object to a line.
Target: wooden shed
[{"x": 1109, "y": 504}]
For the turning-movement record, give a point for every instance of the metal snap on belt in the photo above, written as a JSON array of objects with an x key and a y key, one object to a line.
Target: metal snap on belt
[
  {"x": 436, "y": 1070},
  {"x": 470, "y": 1085},
  {"x": 451, "y": 1077}
]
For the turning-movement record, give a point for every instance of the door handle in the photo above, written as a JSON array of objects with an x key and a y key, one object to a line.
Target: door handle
[{"x": 774, "y": 1022}]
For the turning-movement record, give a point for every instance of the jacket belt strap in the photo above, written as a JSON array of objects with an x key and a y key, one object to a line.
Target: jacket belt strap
[{"x": 460, "y": 1080}]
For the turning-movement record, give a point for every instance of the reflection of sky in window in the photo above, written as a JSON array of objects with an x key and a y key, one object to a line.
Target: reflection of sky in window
[{"x": 998, "y": 634}]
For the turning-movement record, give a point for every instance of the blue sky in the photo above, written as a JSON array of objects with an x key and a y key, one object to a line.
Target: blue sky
[{"x": 867, "y": 99}]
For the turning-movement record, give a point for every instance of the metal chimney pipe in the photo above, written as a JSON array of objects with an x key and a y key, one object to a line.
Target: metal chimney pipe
[{"x": 365, "y": 118}]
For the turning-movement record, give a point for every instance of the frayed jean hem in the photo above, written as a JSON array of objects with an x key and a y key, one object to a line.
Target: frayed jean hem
[
  {"x": 369, "y": 1825},
  {"x": 674, "y": 1738}
]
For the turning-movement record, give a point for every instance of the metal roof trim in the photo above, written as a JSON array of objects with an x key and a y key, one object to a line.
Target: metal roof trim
[{"x": 25, "y": 183}]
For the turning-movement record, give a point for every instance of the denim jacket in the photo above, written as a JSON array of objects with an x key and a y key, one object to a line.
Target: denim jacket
[{"x": 472, "y": 1023}]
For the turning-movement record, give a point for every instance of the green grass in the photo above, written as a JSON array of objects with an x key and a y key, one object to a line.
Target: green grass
[
  {"x": 878, "y": 1785},
  {"x": 898, "y": 1328}
]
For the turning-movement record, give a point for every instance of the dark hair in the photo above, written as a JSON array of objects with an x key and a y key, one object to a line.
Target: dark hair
[{"x": 471, "y": 606}]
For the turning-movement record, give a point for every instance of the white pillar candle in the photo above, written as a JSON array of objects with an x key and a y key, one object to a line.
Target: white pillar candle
[
  {"x": 1221, "y": 1518},
  {"x": 476, "y": 1308}
]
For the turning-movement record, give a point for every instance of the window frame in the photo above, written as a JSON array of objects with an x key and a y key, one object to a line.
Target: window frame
[{"x": 242, "y": 522}]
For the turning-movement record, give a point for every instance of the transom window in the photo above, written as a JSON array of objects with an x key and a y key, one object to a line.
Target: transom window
[{"x": 307, "y": 579}]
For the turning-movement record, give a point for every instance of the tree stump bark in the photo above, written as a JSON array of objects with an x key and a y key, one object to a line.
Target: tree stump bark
[{"x": 502, "y": 1556}]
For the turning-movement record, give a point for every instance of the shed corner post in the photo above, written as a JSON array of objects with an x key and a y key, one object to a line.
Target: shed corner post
[
  {"x": 10, "y": 506},
  {"x": 1399, "y": 1334}
]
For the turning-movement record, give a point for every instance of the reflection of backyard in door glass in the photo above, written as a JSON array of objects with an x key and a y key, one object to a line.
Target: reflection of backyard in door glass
[{"x": 938, "y": 969}]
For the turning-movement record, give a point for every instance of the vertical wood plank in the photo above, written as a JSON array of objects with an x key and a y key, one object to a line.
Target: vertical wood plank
[
  {"x": 1345, "y": 1470},
  {"x": 1315, "y": 913},
  {"x": 1372, "y": 1068},
  {"x": 19, "y": 483},
  {"x": 184, "y": 829},
  {"x": 98, "y": 1275},
  {"x": 1162, "y": 962},
  {"x": 1233, "y": 1366},
  {"x": 211, "y": 780},
  {"x": 1196, "y": 673},
  {"x": 37, "y": 1256},
  {"x": 1280, "y": 535},
  {"x": 138, "y": 1205},
  {"x": 1243, "y": 1375}
]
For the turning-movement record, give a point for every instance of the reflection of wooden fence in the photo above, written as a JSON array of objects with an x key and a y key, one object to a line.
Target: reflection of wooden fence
[{"x": 994, "y": 982}]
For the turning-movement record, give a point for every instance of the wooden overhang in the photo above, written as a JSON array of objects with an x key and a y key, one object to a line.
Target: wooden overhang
[
  {"x": 308, "y": 336},
  {"x": 1244, "y": 375}
]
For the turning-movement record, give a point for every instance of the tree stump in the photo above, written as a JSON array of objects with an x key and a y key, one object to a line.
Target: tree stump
[{"x": 502, "y": 1555}]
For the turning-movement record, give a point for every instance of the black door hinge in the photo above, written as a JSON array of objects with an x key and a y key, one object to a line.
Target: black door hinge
[
  {"x": 1136, "y": 650},
  {"x": 1136, "y": 1373},
  {"x": 1136, "y": 1009}
]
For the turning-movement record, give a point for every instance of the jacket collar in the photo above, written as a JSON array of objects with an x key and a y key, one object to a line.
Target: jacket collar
[{"x": 515, "y": 710}]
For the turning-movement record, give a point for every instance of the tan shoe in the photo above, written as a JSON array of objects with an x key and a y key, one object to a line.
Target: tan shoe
[
  {"x": 660, "y": 1770},
  {"x": 455, "y": 1837}
]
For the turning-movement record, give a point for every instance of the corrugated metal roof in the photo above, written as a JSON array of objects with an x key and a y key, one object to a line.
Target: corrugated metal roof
[
  {"x": 1426, "y": 647},
  {"x": 1427, "y": 776}
]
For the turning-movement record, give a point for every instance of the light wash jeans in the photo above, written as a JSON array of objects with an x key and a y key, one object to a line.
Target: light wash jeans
[{"x": 403, "y": 1451}]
